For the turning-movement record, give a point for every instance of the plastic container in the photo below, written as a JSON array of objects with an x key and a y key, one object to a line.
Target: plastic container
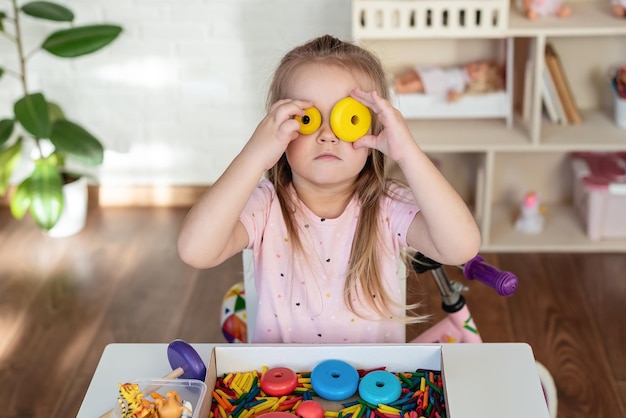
[
  {"x": 600, "y": 193},
  {"x": 190, "y": 390}
]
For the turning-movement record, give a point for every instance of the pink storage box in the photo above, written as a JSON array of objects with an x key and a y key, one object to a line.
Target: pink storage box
[{"x": 600, "y": 193}]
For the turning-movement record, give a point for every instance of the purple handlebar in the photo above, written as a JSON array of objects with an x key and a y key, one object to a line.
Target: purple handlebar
[{"x": 504, "y": 282}]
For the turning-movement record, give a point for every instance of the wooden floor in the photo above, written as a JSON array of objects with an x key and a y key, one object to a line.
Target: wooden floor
[{"x": 120, "y": 280}]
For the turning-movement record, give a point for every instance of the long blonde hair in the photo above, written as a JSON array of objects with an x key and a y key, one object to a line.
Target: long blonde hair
[{"x": 371, "y": 183}]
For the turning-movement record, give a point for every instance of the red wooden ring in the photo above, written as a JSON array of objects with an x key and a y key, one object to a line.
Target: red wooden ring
[{"x": 279, "y": 381}]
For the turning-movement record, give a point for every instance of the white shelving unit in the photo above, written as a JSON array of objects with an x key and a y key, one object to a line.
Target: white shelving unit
[{"x": 491, "y": 164}]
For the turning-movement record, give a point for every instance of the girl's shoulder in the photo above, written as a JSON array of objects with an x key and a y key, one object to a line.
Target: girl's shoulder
[
  {"x": 262, "y": 197},
  {"x": 265, "y": 189},
  {"x": 266, "y": 185},
  {"x": 399, "y": 192}
]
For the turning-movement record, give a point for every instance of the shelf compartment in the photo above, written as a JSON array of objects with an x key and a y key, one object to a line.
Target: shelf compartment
[
  {"x": 563, "y": 232},
  {"x": 588, "y": 81},
  {"x": 598, "y": 132},
  {"x": 469, "y": 135}
]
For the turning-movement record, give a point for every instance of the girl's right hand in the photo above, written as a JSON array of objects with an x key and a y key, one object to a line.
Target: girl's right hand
[{"x": 276, "y": 130}]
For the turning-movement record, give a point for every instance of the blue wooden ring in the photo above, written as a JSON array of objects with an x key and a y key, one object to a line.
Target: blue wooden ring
[
  {"x": 334, "y": 380},
  {"x": 380, "y": 387}
]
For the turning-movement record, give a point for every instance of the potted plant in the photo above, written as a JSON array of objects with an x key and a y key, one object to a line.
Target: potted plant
[{"x": 38, "y": 131}]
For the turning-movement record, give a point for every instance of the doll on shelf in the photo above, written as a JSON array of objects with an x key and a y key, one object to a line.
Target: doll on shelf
[
  {"x": 540, "y": 8},
  {"x": 619, "y": 8},
  {"x": 474, "y": 78}
]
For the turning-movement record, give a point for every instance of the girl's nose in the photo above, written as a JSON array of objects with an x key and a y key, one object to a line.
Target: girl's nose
[{"x": 327, "y": 135}]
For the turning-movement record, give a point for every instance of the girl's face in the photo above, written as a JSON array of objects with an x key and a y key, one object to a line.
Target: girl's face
[{"x": 320, "y": 159}]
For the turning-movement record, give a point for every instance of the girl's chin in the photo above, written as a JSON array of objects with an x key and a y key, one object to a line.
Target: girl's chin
[{"x": 331, "y": 180}]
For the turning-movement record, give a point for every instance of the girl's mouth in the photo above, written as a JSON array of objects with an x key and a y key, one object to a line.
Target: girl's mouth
[{"x": 327, "y": 157}]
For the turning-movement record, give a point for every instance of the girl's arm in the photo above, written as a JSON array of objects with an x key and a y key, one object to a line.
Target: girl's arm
[
  {"x": 211, "y": 231},
  {"x": 444, "y": 229}
]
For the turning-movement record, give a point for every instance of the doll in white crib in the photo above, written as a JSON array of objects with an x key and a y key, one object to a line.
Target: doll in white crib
[
  {"x": 540, "y": 8},
  {"x": 474, "y": 78},
  {"x": 619, "y": 8}
]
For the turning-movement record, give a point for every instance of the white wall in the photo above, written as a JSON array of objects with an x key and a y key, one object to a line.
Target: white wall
[{"x": 179, "y": 93}]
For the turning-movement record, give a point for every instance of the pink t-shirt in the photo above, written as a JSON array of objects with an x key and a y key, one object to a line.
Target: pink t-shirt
[{"x": 302, "y": 300}]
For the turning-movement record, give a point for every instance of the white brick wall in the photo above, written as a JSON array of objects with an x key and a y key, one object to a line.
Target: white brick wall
[{"x": 179, "y": 93}]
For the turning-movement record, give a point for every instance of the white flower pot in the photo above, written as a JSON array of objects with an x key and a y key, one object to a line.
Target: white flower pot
[{"x": 74, "y": 213}]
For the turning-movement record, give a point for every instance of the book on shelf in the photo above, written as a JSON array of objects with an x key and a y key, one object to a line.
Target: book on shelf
[
  {"x": 557, "y": 73},
  {"x": 551, "y": 100}
]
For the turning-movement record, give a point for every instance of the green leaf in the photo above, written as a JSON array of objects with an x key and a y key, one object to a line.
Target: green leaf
[
  {"x": 32, "y": 113},
  {"x": 6, "y": 129},
  {"x": 48, "y": 10},
  {"x": 46, "y": 194},
  {"x": 78, "y": 144},
  {"x": 8, "y": 160},
  {"x": 1, "y": 69},
  {"x": 2, "y": 16},
  {"x": 74, "y": 42},
  {"x": 55, "y": 111},
  {"x": 20, "y": 202}
]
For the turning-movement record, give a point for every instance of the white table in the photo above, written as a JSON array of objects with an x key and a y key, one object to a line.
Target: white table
[
  {"x": 122, "y": 363},
  {"x": 482, "y": 380}
]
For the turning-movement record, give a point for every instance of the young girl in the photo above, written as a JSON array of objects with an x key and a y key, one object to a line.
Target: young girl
[{"x": 327, "y": 225}]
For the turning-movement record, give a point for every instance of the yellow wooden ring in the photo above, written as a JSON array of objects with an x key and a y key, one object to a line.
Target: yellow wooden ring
[
  {"x": 310, "y": 122},
  {"x": 350, "y": 119}
]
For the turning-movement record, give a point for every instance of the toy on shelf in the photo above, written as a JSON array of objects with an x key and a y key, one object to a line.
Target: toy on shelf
[
  {"x": 619, "y": 8},
  {"x": 530, "y": 219},
  {"x": 479, "y": 89},
  {"x": 618, "y": 81},
  {"x": 473, "y": 78},
  {"x": 534, "y": 9}
]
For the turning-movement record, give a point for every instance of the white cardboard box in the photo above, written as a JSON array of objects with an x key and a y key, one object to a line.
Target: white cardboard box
[
  {"x": 600, "y": 193},
  {"x": 480, "y": 380}
]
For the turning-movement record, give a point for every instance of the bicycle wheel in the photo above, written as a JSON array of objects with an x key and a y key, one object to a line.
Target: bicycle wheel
[
  {"x": 549, "y": 389},
  {"x": 234, "y": 317}
]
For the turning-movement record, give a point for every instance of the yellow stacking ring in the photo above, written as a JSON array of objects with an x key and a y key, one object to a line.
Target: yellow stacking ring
[
  {"x": 310, "y": 122},
  {"x": 350, "y": 119}
]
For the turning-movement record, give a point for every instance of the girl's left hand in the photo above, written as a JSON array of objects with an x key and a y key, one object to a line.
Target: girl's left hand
[{"x": 395, "y": 139}]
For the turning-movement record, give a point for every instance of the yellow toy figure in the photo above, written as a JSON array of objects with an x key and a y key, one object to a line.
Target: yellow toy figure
[
  {"x": 541, "y": 8},
  {"x": 132, "y": 402},
  {"x": 170, "y": 406}
]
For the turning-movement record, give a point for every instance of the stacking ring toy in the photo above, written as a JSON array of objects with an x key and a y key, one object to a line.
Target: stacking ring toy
[
  {"x": 380, "y": 387},
  {"x": 334, "y": 380},
  {"x": 310, "y": 409},
  {"x": 185, "y": 360},
  {"x": 310, "y": 122},
  {"x": 279, "y": 381},
  {"x": 350, "y": 119}
]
